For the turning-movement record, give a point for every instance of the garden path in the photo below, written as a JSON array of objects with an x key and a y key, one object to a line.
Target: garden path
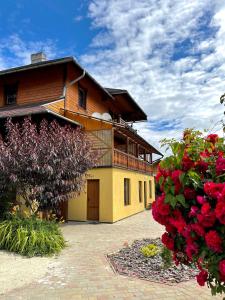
[{"x": 82, "y": 271}]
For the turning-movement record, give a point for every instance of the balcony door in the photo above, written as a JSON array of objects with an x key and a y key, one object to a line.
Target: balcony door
[{"x": 93, "y": 199}]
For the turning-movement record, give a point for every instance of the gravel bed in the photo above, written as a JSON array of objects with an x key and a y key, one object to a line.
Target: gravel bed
[{"x": 129, "y": 261}]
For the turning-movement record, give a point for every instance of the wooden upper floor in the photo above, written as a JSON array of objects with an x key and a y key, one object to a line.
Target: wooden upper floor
[
  {"x": 64, "y": 89},
  {"x": 65, "y": 79}
]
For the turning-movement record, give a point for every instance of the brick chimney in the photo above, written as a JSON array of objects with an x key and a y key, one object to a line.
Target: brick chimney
[{"x": 37, "y": 57}]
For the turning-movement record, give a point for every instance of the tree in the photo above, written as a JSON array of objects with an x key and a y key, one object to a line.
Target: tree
[
  {"x": 45, "y": 164},
  {"x": 222, "y": 101}
]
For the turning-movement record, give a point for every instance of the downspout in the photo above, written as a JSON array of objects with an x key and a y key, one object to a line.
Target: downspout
[{"x": 71, "y": 83}]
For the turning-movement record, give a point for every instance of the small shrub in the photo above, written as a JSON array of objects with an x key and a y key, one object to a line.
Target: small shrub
[
  {"x": 150, "y": 250},
  {"x": 166, "y": 255},
  {"x": 30, "y": 236}
]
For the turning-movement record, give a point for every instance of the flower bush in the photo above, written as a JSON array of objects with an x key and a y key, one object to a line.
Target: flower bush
[{"x": 192, "y": 205}]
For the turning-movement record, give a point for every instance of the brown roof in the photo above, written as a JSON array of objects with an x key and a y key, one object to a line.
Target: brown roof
[{"x": 31, "y": 109}]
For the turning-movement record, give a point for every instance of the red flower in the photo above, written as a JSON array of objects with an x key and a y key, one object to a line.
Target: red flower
[
  {"x": 163, "y": 209},
  {"x": 220, "y": 211},
  {"x": 220, "y": 166},
  {"x": 176, "y": 179},
  {"x": 202, "y": 277},
  {"x": 158, "y": 217},
  {"x": 207, "y": 220},
  {"x": 213, "y": 189},
  {"x": 206, "y": 208},
  {"x": 222, "y": 267},
  {"x": 202, "y": 166},
  {"x": 189, "y": 193},
  {"x": 213, "y": 241},
  {"x": 191, "y": 249},
  {"x": 177, "y": 221},
  {"x": 193, "y": 211},
  {"x": 168, "y": 241},
  {"x": 187, "y": 163},
  {"x": 201, "y": 200},
  {"x": 198, "y": 229},
  {"x": 212, "y": 138}
]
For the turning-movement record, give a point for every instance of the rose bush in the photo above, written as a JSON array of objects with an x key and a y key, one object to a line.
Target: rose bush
[{"x": 192, "y": 205}]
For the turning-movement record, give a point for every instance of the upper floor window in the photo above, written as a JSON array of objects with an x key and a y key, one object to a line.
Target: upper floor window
[
  {"x": 10, "y": 92},
  {"x": 82, "y": 97}
]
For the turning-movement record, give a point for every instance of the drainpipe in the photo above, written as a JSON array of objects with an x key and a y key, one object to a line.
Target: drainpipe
[{"x": 71, "y": 83}]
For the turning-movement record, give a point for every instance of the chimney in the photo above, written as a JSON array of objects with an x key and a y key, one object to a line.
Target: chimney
[{"x": 37, "y": 57}]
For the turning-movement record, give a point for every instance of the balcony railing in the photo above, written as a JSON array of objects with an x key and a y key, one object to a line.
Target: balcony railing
[{"x": 128, "y": 161}]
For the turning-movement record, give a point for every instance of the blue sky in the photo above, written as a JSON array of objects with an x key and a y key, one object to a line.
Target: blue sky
[{"x": 169, "y": 54}]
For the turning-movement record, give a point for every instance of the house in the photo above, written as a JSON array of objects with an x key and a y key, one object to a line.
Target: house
[{"x": 122, "y": 184}]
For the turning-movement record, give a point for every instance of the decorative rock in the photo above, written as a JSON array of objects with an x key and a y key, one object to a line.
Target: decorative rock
[{"x": 130, "y": 261}]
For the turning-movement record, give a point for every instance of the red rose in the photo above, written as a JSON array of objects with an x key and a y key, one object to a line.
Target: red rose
[
  {"x": 163, "y": 209},
  {"x": 220, "y": 211},
  {"x": 158, "y": 217},
  {"x": 222, "y": 267},
  {"x": 193, "y": 211},
  {"x": 212, "y": 138},
  {"x": 187, "y": 163},
  {"x": 179, "y": 224},
  {"x": 191, "y": 249},
  {"x": 202, "y": 277},
  {"x": 206, "y": 208},
  {"x": 213, "y": 189},
  {"x": 207, "y": 220},
  {"x": 189, "y": 193},
  {"x": 220, "y": 166},
  {"x": 202, "y": 166},
  {"x": 176, "y": 179},
  {"x": 198, "y": 229},
  {"x": 213, "y": 241},
  {"x": 168, "y": 241},
  {"x": 201, "y": 200}
]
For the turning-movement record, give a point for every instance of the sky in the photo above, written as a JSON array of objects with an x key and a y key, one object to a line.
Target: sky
[{"x": 169, "y": 54}]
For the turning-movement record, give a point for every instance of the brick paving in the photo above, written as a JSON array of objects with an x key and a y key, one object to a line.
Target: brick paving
[{"x": 82, "y": 271}]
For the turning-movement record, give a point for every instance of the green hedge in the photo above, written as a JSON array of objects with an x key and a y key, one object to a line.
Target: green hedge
[{"x": 30, "y": 236}]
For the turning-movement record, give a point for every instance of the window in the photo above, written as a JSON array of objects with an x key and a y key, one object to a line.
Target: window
[
  {"x": 140, "y": 191},
  {"x": 10, "y": 92},
  {"x": 126, "y": 191},
  {"x": 82, "y": 97},
  {"x": 150, "y": 189}
]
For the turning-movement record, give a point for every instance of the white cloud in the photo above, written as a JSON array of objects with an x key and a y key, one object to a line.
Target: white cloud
[
  {"x": 159, "y": 51},
  {"x": 14, "y": 51}
]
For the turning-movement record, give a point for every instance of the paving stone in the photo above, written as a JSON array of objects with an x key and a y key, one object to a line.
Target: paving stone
[{"x": 84, "y": 272}]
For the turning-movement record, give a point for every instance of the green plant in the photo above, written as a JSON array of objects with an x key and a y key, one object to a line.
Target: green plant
[
  {"x": 30, "y": 236},
  {"x": 166, "y": 255},
  {"x": 150, "y": 250},
  {"x": 192, "y": 205}
]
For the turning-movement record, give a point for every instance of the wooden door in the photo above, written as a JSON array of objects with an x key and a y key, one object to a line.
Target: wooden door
[
  {"x": 145, "y": 193},
  {"x": 93, "y": 199}
]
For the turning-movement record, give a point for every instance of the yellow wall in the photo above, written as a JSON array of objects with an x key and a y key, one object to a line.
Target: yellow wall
[
  {"x": 77, "y": 207},
  {"x": 111, "y": 195},
  {"x": 120, "y": 210}
]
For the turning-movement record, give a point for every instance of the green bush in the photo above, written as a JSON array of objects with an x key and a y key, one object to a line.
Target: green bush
[
  {"x": 166, "y": 255},
  {"x": 30, "y": 236},
  {"x": 150, "y": 250}
]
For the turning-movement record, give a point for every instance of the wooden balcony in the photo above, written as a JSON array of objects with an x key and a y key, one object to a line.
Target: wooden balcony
[{"x": 124, "y": 160}]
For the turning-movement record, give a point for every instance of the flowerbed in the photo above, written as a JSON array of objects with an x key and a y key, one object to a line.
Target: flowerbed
[
  {"x": 129, "y": 261},
  {"x": 192, "y": 205}
]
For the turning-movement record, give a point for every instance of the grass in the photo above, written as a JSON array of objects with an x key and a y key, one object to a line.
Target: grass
[{"x": 30, "y": 236}]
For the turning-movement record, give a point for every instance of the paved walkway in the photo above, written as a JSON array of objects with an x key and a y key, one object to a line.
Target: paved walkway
[{"x": 82, "y": 271}]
